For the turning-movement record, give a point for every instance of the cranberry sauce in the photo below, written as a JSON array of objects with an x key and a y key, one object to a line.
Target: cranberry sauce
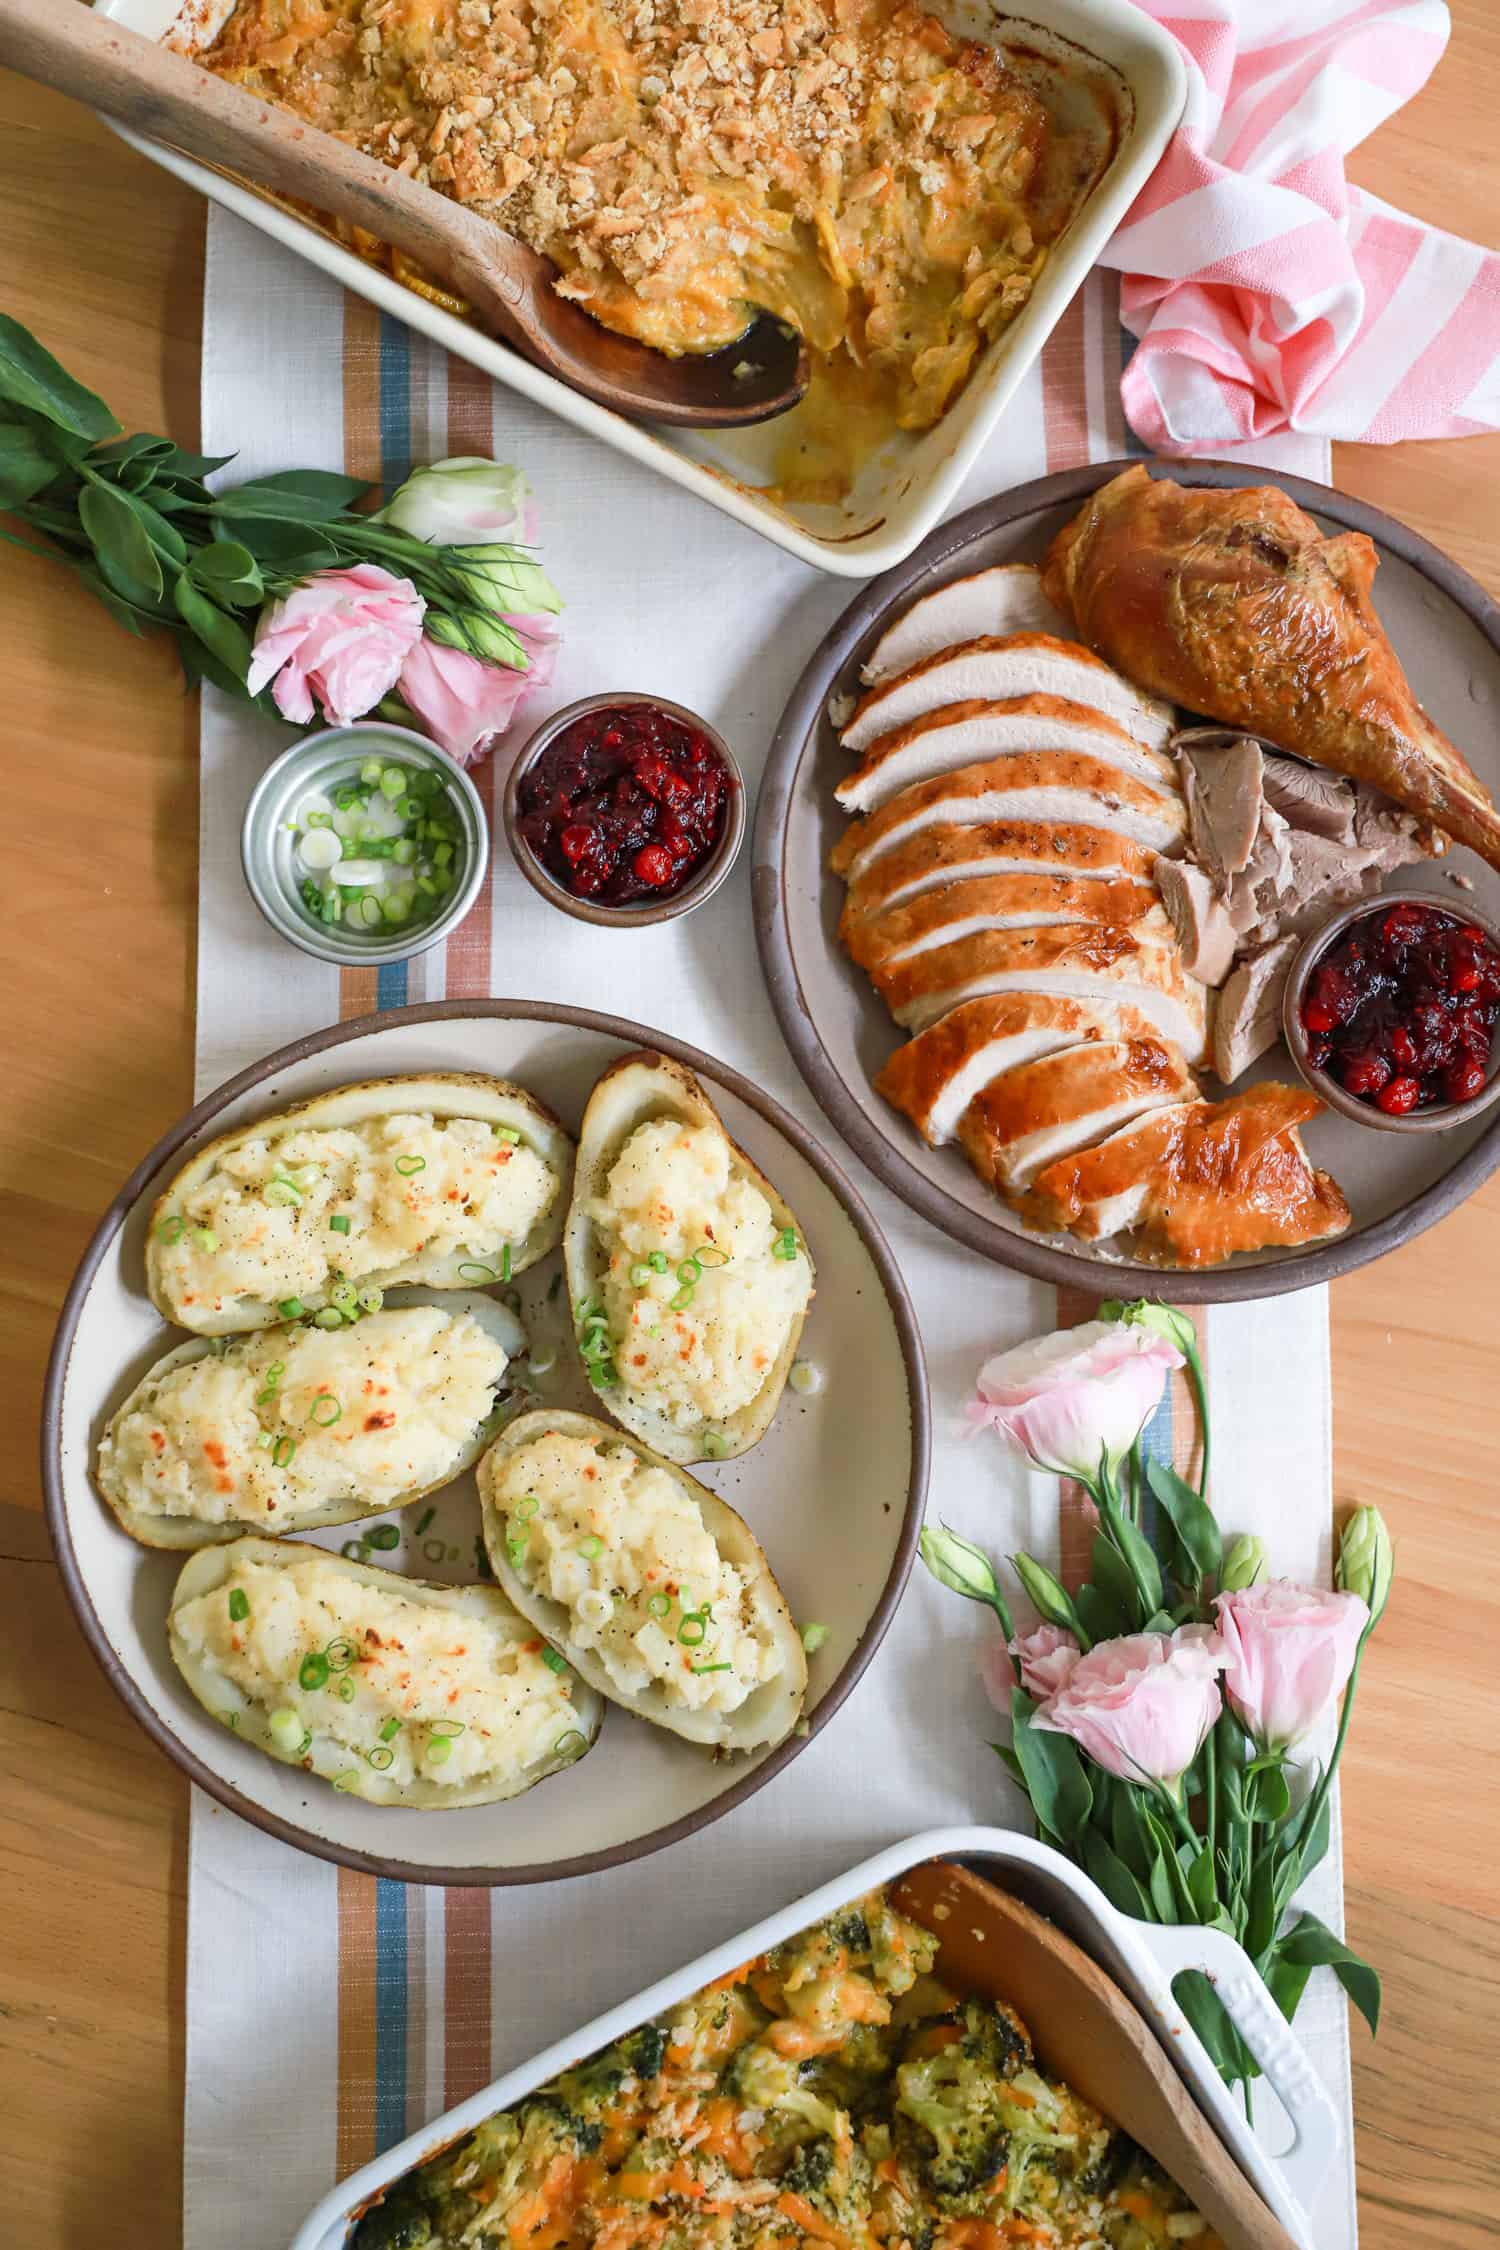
[
  {"x": 1401, "y": 1010},
  {"x": 625, "y": 804}
]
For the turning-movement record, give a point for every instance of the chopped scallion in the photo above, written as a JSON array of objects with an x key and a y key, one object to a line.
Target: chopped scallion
[
  {"x": 710, "y": 1668},
  {"x": 330, "y": 1317},
  {"x": 813, "y": 1637},
  {"x": 381, "y": 1758},
  {"x": 553, "y": 1661},
  {"x": 341, "y": 1653},
  {"x": 570, "y": 1745},
  {"x": 449, "y": 1727},
  {"x": 658, "y": 1261},
  {"x": 715, "y": 1445},
  {"x": 205, "y": 1238},
  {"x": 434, "y": 1550},
  {"x": 390, "y": 1730},
  {"x": 409, "y": 1166},
  {"x": 660, "y": 1605},
  {"x": 312, "y": 1673},
  {"x": 476, "y": 1273},
  {"x": 291, "y": 1308},
  {"x": 439, "y": 1751},
  {"x": 384, "y": 1536},
  {"x": 239, "y": 1605},
  {"x": 325, "y": 1409},
  {"x": 591, "y": 1547},
  {"x": 371, "y": 1300},
  {"x": 505, "y": 1262},
  {"x": 526, "y": 1508},
  {"x": 508, "y": 1134},
  {"x": 282, "y": 1451},
  {"x": 785, "y": 1245},
  {"x": 423, "y": 1520},
  {"x": 286, "y": 1729},
  {"x": 172, "y": 1228},
  {"x": 341, "y": 1222},
  {"x": 355, "y": 1550}
]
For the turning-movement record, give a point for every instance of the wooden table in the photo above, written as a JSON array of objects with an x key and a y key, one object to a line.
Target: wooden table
[{"x": 104, "y": 257}]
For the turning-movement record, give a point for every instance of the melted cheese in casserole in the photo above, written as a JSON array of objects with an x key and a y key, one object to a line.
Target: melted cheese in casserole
[
  {"x": 414, "y": 1192},
  {"x": 622, "y": 1546},
  {"x": 287, "y": 1421},
  {"x": 672, "y": 1193},
  {"x": 849, "y": 165},
  {"x": 478, "y": 1682}
]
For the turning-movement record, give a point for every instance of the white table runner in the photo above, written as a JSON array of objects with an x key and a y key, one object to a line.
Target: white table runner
[{"x": 328, "y": 2013}]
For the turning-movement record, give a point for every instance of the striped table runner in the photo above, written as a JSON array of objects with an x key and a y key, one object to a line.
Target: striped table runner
[{"x": 330, "y": 2013}]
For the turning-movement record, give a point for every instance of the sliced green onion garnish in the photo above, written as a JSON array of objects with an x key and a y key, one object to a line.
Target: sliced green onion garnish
[
  {"x": 344, "y": 1296},
  {"x": 275, "y": 1372},
  {"x": 785, "y": 1245},
  {"x": 312, "y": 1673},
  {"x": 205, "y": 1238},
  {"x": 434, "y": 1550},
  {"x": 404, "y": 852},
  {"x": 280, "y": 1192},
  {"x": 423, "y": 1520},
  {"x": 264, "y": 1440},
  {"x": 509, "y": 1134},
  {"x": 639, "y": 1276},
  {"x": 516, "y": 1549},
  {"x": 689, "y": 1272},
  {"x": 570, "y": 1745},
  {"x": 553, "y": 1661},
  {"x": 355, "y": 1550},
  {"x": 172, "y": 1228},
  {"x": 370, "y": 1300},
  {"x": 393, "y": 782},
  {"x": 660, "y": 1605},
  {"x": 681, "y": 1298},
  {"x": 408, "y": 1165},
  {"x": 526, "y": 1508},
  {"x": 805, "y": 1379},
  {"x": 505, "y": 1262},
  {"x": 715, "y": 1445},
  {"x": 341, "y": 1653},
  {"x": 658, "y": 1261},
  {"x": 390, "y": 1730},
  {"x": 693, "y": 1631},
  {"x": 709, "y": 1254},
  {"x": 345, "y": 1691},
  {"x": 410, "y": 808},
  {"x": 477, "y": 1273},
  {"x": 341, "y": 1222},
  {"x": 710, "y": 1668},
  {"x": 384, "y": 1536},
  {"x": 345, "y": 1781},
  {"x": 291, "y": 1308},
  {"x": 286, "y": 1728},
  {"x": 325, "y": 1409},
  {"x": 282, "y": 1451},
  {"x": 380, "y": 1758},
  {"x": 590, "y": 1547},
  {"x": 813, "y": 1637},
  {"x": 239, "y": 1604},
  {"x": 371, "y": 772},
  {"x": 448, "y": 1727},
  {"x": 440, "y": 1751},
  {"x": 330, "y": 1317}
]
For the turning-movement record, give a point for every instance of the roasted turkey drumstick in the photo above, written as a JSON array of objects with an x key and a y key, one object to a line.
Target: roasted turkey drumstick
[{"x": 1234, "y": 604}]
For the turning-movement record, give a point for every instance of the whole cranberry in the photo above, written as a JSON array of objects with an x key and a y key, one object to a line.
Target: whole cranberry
[
  {"x": 1400, "y": 1096},
  {"x": 654, "y": 865},
  {"x": 1366, "y": 1073},
  {"x": 1463, "y": 1080},
  {"x": 1403, "y": 1048}
]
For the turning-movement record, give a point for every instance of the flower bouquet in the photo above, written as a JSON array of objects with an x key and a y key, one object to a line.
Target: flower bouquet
[
  {"x": 1161, "y": 1712},
  {"x": 432, "y": 611}
]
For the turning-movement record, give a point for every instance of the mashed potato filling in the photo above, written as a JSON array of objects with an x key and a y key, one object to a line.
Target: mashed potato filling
[
  {"x": 289, "y": 1420},
  {"x": 396, "y": 1677},
  {"x": 622, "y": 1546},
  {"x": 261, "y": 1224},
  {"x": 702, "y": 1350}
]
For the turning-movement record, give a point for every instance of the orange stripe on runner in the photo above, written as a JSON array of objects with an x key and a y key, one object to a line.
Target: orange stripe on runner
[
  {"x": 471, "y": 429},
  {"x": 354, "y": 2140},
  {"x": 466, "y": 1994},
  {"x": 1065, "y": 412},
  {"x": 1187, "y": 1437},
  {"x": 361, "y": 380}
]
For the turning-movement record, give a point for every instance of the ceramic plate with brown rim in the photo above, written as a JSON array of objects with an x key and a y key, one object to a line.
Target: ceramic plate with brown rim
[
  {"x": 1446, "y": 631},
  {"x": 834, "y": 1492}
]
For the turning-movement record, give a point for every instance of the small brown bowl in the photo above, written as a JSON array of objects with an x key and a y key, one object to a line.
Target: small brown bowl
[
  {"x": 1323, "y": 1085},
  {"x": 638, "y": 915}
]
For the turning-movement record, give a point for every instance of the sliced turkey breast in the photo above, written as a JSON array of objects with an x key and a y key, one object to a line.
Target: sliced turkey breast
[
  {"x": 934, "y": 1077},
  {"x": 1049, "y": 786},
  {"x": 999, "y": 902},
  {"x": 1199, "y": 1182},
  {"x": 1082, "y": 961},
  {"x": 945, "y": 740},
  {"x": 1007, "y": 599},
  {"x": 1003, "y": 666},
  {"x": 936, "y": 856},
  {"x": 1032, "y": 1116}
]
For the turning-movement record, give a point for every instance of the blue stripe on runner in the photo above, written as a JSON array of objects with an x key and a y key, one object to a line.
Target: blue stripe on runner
[
  {"x": 1156, "y": 1445},
  {"x": 390, "y": 2013},
  {"x": 395, "y": 403},
  {"x": 390, "y": 984}
]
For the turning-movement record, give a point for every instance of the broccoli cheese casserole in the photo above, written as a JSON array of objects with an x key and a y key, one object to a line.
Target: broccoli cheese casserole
[
  {"x": 848, "y": 165},
  {"x": 831, "y": 2093}
]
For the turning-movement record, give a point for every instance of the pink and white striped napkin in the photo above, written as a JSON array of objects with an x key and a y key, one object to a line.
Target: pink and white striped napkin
[{"x": 1267, "y": 293}]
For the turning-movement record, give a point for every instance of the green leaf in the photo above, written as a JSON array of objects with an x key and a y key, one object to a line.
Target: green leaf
[
  {"x": 295, "y": 550},
  {"x": 31, "y": 377},
  {"x": 1206, "y": 2012},
  {"x": 27, "y": 466},
  {"x": 1128, "y": 1832},
  {"x": 126, "y": 556},
  {"x": 226, "y": 640},
  {"x": 1011, "y": 1763},
  {"x": 1114, "y": 1878},
  {"x": 229, "y": 574},
  {"x": 1052, "y": 1771},
  {"x": 296, "y": 496},
  {"x": 1192, "y": 1519},
  {"x": 200, "y": 663},
  {"x": 1137, "y": 1552},
  {"x": 1116, "y": 1587},
  {"x": 164, "y": 536},
  {"x": 1286, "y": 1981},
  {"x": 192, "y": 468},
  {"x": 1270, "y": 1798},
  {"x": 134, "y": 619},
  {"x": 1311, "y": 1944},
  {"x": 1097, "y": 1614}
]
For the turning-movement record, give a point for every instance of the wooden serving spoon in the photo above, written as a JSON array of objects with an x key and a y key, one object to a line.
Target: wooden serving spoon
[
  {"x": 170, "y": 99},
  {"x": 1086, "y": 2032}
]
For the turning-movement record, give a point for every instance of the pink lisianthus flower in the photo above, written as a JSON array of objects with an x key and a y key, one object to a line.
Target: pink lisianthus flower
[
  {"x": 1141, "y": 1707},
  {"x": 1288, "y": 1654},
  {"x": 1074, "y": 1399},
  {"x": 463, "y": 703},
  {"x": 338, "y": 641},
  {"x": 1048, "y": 1657}
]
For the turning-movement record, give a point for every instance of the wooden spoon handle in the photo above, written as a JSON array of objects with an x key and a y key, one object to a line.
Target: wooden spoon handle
[{"x": 168, "y": 98}]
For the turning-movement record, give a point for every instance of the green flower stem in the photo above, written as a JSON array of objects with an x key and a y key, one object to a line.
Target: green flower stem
[
  {"x": 1211, "y": 1798},
  {"x": 1194, "y": 1358},
  {"x": 1325, "y": 1778}
]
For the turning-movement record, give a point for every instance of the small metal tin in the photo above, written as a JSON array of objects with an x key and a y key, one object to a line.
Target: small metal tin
[
  {"x": 1322, "y": 1082},
  {"x": 642, "y": 912},
  {"x": 268, "y": 853}
]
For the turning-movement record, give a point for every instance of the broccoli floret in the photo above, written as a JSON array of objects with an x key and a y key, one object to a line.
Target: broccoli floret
[
  {"x": 593, "y": 2085},
  {"x": 765, "y": 2080},
  {"x": 811, "y": 2167},
  {"x": 995, "y": 2037},
  {"x": 401, "y": 2220},
  {"x": 835, "y": 2178},
  {"x": 951, "y": 2100},
  {"x": 1117, "y": 2157},
  {"x": 854, "y": 1931},
  {"x": 854, "y": 2075}
]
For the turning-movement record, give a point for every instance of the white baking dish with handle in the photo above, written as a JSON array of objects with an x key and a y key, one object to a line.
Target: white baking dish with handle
[
  {"x": 912, "y": 482},
  {"x": 1142, "y": 1959}
]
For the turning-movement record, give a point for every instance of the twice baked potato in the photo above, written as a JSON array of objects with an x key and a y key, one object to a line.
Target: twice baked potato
[
  {"x": 390, "y": 1688},
  {"x": 297, "y": 1427},
  {"x": 452, "y": 1180},
  {"x": 689, "y": 1275},
  {"x": 657, "y": 1593}
]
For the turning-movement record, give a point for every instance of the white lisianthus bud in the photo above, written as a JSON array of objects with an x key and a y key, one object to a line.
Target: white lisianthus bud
[
  {"x": 462, "y": 502},
  {"x": 1367, "y": 1560},
  {"x": 1244, "y": 1564}
]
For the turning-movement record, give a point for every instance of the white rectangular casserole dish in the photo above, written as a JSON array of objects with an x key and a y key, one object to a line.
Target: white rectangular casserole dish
[
  {"x": 1141, "y": 1958},
  {"x": 912, "y": 484}
]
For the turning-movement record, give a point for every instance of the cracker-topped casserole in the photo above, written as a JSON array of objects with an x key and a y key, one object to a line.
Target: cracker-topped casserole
[{"x": 850, "y": 165}]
